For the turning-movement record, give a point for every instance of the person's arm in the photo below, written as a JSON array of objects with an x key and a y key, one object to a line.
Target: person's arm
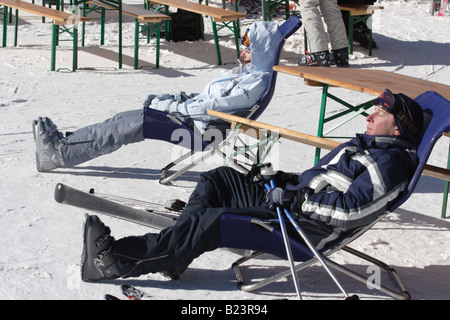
[
  {"x": 244, "y": 95},
  {"x": 348, "y": 203}
]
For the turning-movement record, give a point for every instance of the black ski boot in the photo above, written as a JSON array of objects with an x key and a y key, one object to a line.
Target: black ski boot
[
  {"x": 341, "y": 57},
  {"x": 317, "y": 59},
  {"x": 97, "y": 260}
]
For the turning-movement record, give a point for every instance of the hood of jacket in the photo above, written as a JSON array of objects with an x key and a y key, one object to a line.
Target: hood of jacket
[{"x": 263, "y": 36}]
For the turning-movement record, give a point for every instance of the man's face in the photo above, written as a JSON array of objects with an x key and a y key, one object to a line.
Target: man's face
[
  {"x": 381, "y": 122},
  {"x": 246, "y": 56}
]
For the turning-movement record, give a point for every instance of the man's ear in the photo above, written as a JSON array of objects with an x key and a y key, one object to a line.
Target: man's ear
[{"x": 396, "y": 131}]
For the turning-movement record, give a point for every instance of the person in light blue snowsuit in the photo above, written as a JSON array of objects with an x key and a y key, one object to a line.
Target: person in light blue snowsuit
[{"x": 236, "y": 90}]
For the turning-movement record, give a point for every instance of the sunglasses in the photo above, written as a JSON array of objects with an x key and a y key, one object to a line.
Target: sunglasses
[
  {"x": 245, "y": 42},
  {"x": 398, "y": 107}
]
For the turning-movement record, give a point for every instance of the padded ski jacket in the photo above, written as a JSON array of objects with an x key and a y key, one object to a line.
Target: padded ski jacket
[
  {"x": 354, "y": 183},
  {"x": 236, "y": 90}
]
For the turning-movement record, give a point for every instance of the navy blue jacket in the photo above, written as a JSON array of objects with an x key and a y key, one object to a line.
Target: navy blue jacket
[{"x": 354, "y": 183}]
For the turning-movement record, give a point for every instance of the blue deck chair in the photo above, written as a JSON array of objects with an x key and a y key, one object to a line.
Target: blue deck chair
[
  {"x": 161, "y": 125},
  {"x": 244, "y": 232}
]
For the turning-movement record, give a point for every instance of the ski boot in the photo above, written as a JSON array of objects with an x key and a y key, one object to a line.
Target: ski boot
[
  {"x": 317, "y": 59},
  {"x": 341, "y": 57},
  {"x": 48, "y": 141},
  {"x": 97, "y": 260}
]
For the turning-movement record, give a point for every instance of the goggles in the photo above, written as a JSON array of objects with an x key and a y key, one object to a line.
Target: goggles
[
  {"x": 398, "y": 107},
  {"x": 245, "y": 42}
]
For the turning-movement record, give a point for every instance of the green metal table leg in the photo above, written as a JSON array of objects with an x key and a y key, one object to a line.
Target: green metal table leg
[
  {"x": 102, "y": 26},
  {"x": 264, "y": 9},
  {"x": 216, "y": 41},
  {"x": 136, "y": 43},
  {"x": 75, "y": 48},
  {"x": 120, "y": 35},
  {"x": 167, "y": 31},
  {"x": 158, "y": 39},
  {"x": 236, "y": 36},
  {"x": 16, "y": 26},
  {"x": 5, "y": 25},
  {"x": 321, "y": 119},
  {"x": 55, "y": 31}
]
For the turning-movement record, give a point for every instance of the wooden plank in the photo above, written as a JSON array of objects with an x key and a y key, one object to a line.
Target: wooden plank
[
  {"x": 356, "y": 9},
  {"x": 141, "y": 13},
  {"x": 323, "y": 143},
  {"x": 282, "y": 132},
  {"x": 218, "y": 14},
  {"x": 60, "y": 16},
  {"x": 367, "y": 81}
]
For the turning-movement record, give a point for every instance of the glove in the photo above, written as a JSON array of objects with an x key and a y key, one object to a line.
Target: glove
[
  {"x": 264, "y": 173},
  {"x": 287, "y": 199}
]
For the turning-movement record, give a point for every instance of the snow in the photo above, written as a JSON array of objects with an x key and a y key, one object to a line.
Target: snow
[{"x": 41, "y": 239}]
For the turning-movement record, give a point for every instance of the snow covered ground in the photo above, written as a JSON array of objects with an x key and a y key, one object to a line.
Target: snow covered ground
[{"x": 40, "y": 240}]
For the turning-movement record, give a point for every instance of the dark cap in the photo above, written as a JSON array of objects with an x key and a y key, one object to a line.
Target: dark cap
[{"x": 407, "y": 113}]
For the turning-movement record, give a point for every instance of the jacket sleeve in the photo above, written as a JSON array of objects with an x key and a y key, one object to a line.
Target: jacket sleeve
[
  {"x": 348, "y": 202},
  {"x": 242, "y": 96}
]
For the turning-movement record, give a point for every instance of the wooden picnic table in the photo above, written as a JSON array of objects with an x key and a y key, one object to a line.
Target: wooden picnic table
[{"x": 365, "y": 80}]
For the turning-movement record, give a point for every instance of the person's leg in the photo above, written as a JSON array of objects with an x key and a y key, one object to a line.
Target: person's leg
[
  {"x": 102, "y": 138},
  {"x": 197, "y": 229},
  {"x": 312, "y": 21},
  {"x": 335, "y": 24}
]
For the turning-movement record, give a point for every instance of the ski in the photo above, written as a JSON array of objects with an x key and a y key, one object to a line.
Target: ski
[
  {"x": 171, "y": 207},
  {"x": 110, "y": 297},
  {"x": 157, "y": 219},
  {"x": 443, "y": 8},
  {"x": 77, "y": 198}
]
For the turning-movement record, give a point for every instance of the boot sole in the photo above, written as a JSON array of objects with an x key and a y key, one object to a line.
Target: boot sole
[{"x": 38, "y": 145}]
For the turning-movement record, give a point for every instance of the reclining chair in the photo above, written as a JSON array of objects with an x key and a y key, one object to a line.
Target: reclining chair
[
  {"x": 163, "y": 124},
  {"x": 244, "y": 232}
]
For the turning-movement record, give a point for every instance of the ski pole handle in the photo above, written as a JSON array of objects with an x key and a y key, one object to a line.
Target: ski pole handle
[{"x": 271, "y": 186}]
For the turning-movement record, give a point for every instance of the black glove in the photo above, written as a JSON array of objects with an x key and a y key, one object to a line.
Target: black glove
[
  {"x": 264, "y": 173},
  {"x": 291, "y": 200}
]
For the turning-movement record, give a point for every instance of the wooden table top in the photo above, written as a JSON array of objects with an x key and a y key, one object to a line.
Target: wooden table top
[{"x": 365, "y": 80}]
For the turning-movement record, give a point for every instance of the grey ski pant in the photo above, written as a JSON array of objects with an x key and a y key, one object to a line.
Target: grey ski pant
[
  {"x": 102, "y": 138},
  {"x": 317, "y": 36}
]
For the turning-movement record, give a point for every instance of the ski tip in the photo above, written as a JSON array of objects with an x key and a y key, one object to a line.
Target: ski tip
[
  {"x": 110, "y": 297},
  {"x": 60, "y": 192}
]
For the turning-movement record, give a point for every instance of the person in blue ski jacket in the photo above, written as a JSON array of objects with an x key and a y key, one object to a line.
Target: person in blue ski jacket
[
  {"x": 236, "y": 90},
  {"x": 348, "y": 188}
]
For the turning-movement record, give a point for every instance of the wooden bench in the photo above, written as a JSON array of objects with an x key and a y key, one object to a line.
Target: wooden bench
[
  {"x": 60, "y": 20},
  {"x": 359, "y": 12},
  {"x": 225, "y": 18},
  {"x": 151, "y": 22}
]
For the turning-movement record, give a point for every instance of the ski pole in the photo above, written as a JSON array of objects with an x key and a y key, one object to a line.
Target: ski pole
[
  {"x": 287, "y": 245},
  {"x": 316, "y": 253}
]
